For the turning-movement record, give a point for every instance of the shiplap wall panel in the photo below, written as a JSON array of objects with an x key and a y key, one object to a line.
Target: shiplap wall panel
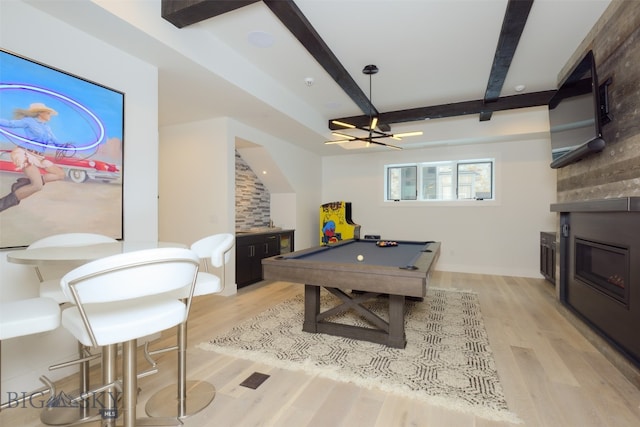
[{"x": 615, "y": 172}]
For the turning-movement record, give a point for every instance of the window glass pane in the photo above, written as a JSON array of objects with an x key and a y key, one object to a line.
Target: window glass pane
[
  {"x": 475, "y": 180},
  {"x": 430, "y": 183},
  {"x": 445, "y": 182},
  {"x": 409, "y": 183},
  {"x": 394, "y": 180},
  {"x": 402, "y": 183},
  {"x": 452, "y": 180},
  {"x": 437, "y": 182}
]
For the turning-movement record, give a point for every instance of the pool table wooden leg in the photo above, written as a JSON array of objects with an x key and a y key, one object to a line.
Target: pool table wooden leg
[
  {"x": 397, "y": 338},
  {"x": 311, "y": 308}
]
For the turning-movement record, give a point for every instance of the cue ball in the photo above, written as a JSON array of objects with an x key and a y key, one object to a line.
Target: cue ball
[{"x": 360, "y": 258}]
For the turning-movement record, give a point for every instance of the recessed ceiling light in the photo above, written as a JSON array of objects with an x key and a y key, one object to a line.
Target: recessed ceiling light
[
  {"x": 260, "y": 39},
  {"x": 519, "y": 88}
]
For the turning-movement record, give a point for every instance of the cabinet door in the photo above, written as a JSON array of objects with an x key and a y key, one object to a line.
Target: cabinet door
[
  {"x": 547, "y": 256},
  {"x": 245, "y": 260},
  {"x": 551, "y": 263},
  {"x": 250, "y": 250},
  {"x": 543, "y": 258}
]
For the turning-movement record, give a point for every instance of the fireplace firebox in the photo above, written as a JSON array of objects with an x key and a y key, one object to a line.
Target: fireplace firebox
[
  {"x": 604, "y": 267},
  {"x": 600, "y": 268}
]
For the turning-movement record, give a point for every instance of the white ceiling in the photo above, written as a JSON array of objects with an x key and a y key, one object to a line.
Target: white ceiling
[{"x": 429, "y": 52}]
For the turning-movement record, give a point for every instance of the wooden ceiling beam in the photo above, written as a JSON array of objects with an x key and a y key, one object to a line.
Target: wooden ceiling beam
[
  {"x": 182, "y": 13},
  {"x": 533, "y": 99},
  {"x": 292, "y": 18},
  {"x": 515, "y": 19}
]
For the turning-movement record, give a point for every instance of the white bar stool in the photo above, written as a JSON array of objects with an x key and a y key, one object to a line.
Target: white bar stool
[
  {"x": 121, "y": 298},
  {"x": 50, "y": 288},
  {"x": 190, "y": 397}
]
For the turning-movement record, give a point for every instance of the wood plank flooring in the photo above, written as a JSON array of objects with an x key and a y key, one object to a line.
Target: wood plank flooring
[{"x": 550, "y": 373}]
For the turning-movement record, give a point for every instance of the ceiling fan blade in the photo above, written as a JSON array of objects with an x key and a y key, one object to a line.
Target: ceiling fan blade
[
  {"x": 406, "y": 134},
  {"x": 368, "y": 141},
  {"x": 343, "y": 135},
  {"x": 339, "y": 141},
  {"x": 395, "y": 147},
  {"x": 372, "y": 126},
  {"x": 379, "y": 134},
  {"x": 343, "y": 124},
  {"x": 348, "y": 138},
  {"x": 370, "y": 133}
]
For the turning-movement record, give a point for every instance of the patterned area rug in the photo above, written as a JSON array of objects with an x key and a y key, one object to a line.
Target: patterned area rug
[{"x": 447, "y": 360}]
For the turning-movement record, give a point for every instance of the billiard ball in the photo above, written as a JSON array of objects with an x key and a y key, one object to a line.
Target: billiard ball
[{"x": 360, "y": 258}]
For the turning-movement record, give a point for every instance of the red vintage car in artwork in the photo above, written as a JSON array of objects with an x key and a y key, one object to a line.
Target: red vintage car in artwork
[{"x": 77, "y": 170}]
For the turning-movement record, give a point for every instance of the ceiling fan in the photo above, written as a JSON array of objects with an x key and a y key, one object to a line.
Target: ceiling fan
[{"x": 373, "y": 134}]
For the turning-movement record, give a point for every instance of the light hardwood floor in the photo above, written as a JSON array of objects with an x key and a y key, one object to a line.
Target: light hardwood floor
[{"x": 551, "y": 375}]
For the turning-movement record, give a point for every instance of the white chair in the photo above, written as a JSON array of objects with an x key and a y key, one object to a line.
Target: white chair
[
  {"x": 121, "y": 298},
  {"x": 214, "y": 250},
  {"x": 193, "y": 396},
  {"x": 51, "y": 288},
  {"x": 28, "y": 317}
]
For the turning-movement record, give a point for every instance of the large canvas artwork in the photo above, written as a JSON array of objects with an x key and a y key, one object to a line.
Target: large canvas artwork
[{"x": 61, "y": 153}]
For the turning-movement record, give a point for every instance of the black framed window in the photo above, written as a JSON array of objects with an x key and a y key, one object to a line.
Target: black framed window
[{"x": 441, "y": 181}]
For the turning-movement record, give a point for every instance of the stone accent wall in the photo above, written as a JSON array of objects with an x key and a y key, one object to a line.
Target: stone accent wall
[
  {"x": 615, "y": 172},
  {"x": 253, "y": 200}
]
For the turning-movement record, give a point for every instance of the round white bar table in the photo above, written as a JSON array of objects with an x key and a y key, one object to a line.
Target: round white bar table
[{"x": 78, "y": 255}]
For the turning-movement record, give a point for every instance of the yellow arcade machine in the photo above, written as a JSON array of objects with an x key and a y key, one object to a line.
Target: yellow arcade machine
[{"x": 336, "y": 223}]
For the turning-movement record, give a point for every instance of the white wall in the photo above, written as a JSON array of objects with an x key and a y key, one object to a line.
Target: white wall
[
  {"x": 500, "y": 237},
  {"x": 284, "y": 210},
  {"x": 197, "y": 192},
  {"x": 197, "y": 185},
  {"x": 28, "y": 32}
]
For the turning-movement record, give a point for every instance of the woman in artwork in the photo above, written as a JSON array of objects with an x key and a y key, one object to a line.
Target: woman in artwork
[{"x": 35, "y": 123}]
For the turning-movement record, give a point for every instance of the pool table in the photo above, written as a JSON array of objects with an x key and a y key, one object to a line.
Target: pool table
[{"x": 393, "y": 271}]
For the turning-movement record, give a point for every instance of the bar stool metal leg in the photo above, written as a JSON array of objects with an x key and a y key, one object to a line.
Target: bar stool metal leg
[
  {"x": 129, "y": 384},
  {"x": 109, "y": 376},
  {"x": 190, "y": 397}
]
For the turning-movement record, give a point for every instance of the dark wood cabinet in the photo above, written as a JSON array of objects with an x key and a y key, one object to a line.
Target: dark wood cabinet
[
  {"x": 548, "y": 256},
  {"x": 251, "y": 248}
]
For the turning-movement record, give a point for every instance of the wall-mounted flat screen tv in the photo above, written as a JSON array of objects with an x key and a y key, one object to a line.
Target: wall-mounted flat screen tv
[
  {"x": 574, "y": 115},
  {"x": 61, "y": 153}
]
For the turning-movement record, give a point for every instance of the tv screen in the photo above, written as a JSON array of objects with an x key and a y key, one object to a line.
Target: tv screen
[
  {"x": 61, "y": 153},
  {"x": 574, "y": 116}
]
